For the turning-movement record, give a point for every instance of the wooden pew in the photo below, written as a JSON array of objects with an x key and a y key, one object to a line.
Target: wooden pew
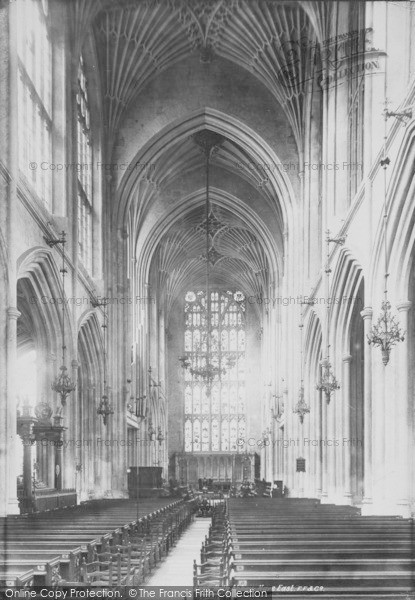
[
  {"x": 311, "y": 545},
  {"x": 44, "y": 549},
  {"x": 43, "y": 572},
  {"x": 69, "y": 562},
  {"x": 17, "y": 578},
  {"x": 146, "y": 543}
]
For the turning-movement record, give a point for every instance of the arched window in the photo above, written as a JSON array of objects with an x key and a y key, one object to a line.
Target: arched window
[
  {"x": 34, "y": 95},
  {"x": 84, "y": 169},
  {"x": 215, "y": 421}
]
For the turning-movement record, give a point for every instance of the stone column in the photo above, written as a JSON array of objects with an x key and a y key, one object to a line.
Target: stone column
[
  {"x": 47, "y": 473},
  {"x": 318, "y": 424},
  {"x": 73, "y": 433},
  {"x": 367, "y": 314},
  {"x": 271, "y": 452},
  {"x": 275, "y": 442},
  {"x": 25, "y": 432},
  {"x": 403, "y": 415},
  {"x": 333, "y": 417},
  {"x": 66, "y": 416},
  {"x": 10, "y": 441},
  {"x": 4, "y": 409},
  {"x": 292, "y": 449},
  {"x": 8, "y": 213},
  {"x": 346, "y": 429},
  {"x": 58, "y": 465},
  {"x": 324, "y": 462}
]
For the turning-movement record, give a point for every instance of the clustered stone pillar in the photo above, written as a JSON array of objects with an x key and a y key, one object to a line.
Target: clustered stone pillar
[
  {"x": 324, "y": 465},
  {"x": 367, "y": 314},
  {"x": 346, "y": 428},
  {"x": 403, "y": 415},
  {"x": 11, "y": 437},
  {"x": 25, "y": 431}
]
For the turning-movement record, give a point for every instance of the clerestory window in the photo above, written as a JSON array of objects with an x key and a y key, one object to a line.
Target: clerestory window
[
  {"x": 84, "y": 170},
  {"x": 34, "y": 96}
]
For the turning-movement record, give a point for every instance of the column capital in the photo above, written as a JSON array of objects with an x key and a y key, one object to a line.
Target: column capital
[
  {"x": 74, "y": 364},
  {"x": 347, "y": 358},
  {"x": 404, "y": 305},
  {"x": 13, "y": 313},
  {"x": 367, "y": 312}
]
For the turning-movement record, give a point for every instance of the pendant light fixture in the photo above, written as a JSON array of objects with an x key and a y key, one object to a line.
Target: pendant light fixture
[
  {"x": 203, "y": 363},
  {"x": 301, "y": 408},
  {"x": 386, "y": 332},
  {"x": 328, "y": 382},
  {"x": 63, "y": 384},
  {"x": 105, "y": 408}
]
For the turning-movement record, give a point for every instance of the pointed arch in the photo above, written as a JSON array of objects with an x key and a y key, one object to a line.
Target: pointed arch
[
  {"x": 178, "y": 132},
  {"x": 347, "y": 288},
  {"x": 39, "y": 278},
  {"x": 90, "y": 387},
  {"x": 401, "y": 223}
]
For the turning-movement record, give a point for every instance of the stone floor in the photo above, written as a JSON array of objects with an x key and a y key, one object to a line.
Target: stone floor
[{"x": 177, "y": 568}]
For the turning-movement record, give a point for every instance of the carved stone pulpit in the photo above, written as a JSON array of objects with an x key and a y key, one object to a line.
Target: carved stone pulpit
[
  {"x": 42, "y": 487},
  {"x": 52, "y": 432}
]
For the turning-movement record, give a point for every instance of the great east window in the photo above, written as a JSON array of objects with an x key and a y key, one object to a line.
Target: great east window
[{"x": 215, "y": 413}]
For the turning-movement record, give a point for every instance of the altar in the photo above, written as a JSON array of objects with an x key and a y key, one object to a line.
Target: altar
[{"x": 223, "y": 469}]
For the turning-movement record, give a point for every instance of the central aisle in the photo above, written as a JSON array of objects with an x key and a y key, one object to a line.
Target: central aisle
[{"x": 177, "y": 568}]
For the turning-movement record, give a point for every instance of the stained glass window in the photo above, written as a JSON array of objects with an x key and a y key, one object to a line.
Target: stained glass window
[{"x": 215, "y": 418}]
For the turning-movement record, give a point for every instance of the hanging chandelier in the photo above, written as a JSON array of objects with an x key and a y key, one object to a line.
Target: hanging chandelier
[
  {"x": 203, "y": 363},
  {"x": 301, "y": 408},
  {"x": 63, "y": 384},
  {"x": 205, "y": 368},
  {"x": 386, "y": 332},
  {"x": 328, "y": 382},
  {"x": 104, "y": 407}
]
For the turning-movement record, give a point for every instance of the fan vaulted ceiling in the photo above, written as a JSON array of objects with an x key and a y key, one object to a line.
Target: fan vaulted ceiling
[
  {"x": 238, "y": 261},
  {"x": 136, "y": 42},
  {"x": 181, "y": 171},
  {"x": 137, "y": 39}
]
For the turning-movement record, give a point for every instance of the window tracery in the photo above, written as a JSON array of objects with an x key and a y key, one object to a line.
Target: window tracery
[
  {"x": 34, "y": 97},
  {"x": 84, "y": 170},
  {"x": 215, "y": 419}
]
